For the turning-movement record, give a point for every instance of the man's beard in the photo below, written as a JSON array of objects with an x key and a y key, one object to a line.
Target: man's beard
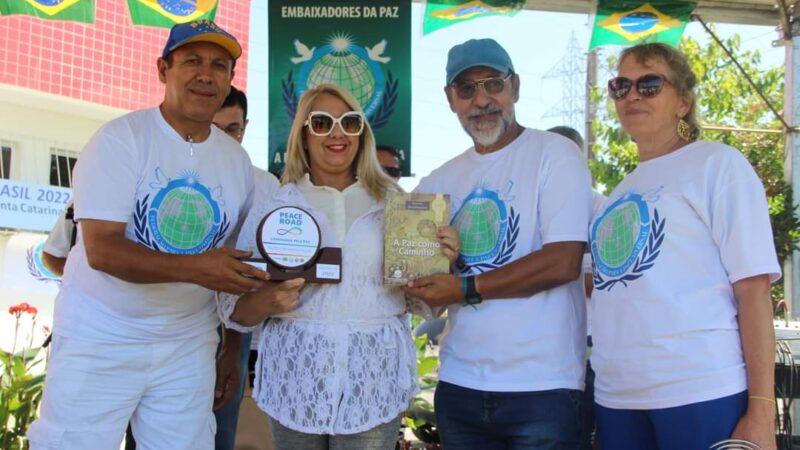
[{"x": 487, "y": 132}]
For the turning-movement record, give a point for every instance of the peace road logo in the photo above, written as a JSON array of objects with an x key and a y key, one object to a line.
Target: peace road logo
[
  {"x": 488, "y": 231},
  {"x": 357, "y": 69},
  {"x": 625, "y": 241},
  {"x": 184, "y": 216}
]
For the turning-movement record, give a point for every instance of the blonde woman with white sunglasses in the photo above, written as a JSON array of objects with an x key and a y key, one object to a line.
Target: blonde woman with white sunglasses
[{"x": 338, "y": 367}]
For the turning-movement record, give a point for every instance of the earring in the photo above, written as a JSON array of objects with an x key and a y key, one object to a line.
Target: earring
[{"x": 685, "y": 130}]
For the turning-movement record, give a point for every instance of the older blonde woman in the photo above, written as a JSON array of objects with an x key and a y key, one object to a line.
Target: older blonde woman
[
  {"x": 683, "y": 252},
  {"x": 338, "y": 367}
]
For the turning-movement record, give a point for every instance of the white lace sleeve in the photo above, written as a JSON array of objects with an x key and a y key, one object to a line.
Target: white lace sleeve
[{"x": 226, "y": 303}]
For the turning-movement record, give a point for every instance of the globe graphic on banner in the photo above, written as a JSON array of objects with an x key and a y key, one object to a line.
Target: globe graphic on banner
[
  {"x": 617, "y": 234},
  {"x": 478, "y": 222},
  {"x": 348, "y": 71},
  {"x": 185, "y": 217}
]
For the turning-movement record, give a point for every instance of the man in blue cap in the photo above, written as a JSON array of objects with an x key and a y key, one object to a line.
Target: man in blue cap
[
  {"x": 512, "y": 357},
  {"x": 158, "y": 192}
]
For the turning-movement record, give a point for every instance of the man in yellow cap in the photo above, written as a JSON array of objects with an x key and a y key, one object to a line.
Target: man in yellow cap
[{"x": 158, "y": 192}]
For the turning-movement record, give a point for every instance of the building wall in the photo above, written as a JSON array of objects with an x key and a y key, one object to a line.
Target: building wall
[{"x": 110, "y": 62}]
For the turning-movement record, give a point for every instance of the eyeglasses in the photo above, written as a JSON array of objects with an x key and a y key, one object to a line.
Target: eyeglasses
[
  {"x": 320, "y": 123},
  {"x": 647, "y": 86},
  {"x": 233, "y": 130},
  {"x": 491, "y": 86},
  {"x": 393, "y": 172}
]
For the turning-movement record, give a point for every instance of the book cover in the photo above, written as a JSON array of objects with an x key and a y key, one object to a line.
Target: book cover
[{"x": 410, "y": 247}]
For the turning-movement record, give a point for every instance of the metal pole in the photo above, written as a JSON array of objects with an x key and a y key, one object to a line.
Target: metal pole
[
  {"x": 591, "y": 82},
  {"x": 792, "y": 157}
]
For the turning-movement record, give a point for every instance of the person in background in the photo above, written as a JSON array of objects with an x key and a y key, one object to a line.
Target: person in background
[
  {"x": 336, "y": 366},
  {"x": 684, "y": 345},
  {"x": 135, "y": 319},
  {"x": 59, "y": 241},
  {"x": 232, "y": 119},
  {"x": 389, "y": 158},
  {"x": 513, "y": 353}
]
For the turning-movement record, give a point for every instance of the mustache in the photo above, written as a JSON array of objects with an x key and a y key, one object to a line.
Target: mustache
[
  {"x": 202, "y": 88},
  {"x": 488, "y": 109}
]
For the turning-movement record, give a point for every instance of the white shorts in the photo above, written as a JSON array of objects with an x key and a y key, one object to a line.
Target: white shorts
[{"x": 93, "y": 389}]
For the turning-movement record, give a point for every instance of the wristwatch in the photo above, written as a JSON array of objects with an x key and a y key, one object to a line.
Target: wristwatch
[{"x": 471, "y": 296}]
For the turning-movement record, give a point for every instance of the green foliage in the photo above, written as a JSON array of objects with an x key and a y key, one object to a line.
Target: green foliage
[
  {"x": 723, "y": 98},
  {"x": 427, "y": 363},
  {"x": 20, "y": 394}
]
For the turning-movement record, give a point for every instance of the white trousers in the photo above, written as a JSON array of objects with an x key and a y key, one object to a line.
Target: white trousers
[{"x": 92, "y": 390}]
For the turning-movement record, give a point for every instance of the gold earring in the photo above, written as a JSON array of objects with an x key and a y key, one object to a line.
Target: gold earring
[{"x": 684, "y": 130}]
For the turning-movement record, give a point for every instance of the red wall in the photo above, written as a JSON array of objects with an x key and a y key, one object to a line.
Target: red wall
[{"x": 110, "y": 62}]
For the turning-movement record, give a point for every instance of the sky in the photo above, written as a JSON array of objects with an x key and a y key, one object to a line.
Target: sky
[{"x": 537, "y": 43}]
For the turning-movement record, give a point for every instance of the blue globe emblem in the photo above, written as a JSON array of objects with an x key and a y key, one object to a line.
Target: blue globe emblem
[
  {"x": 348, "y": 66},
  {"x": 49, "y": 2},
  {"x": 179, "y": 7},
  {"x": 620, "y": 234},
  {"x": 638, "y": 22},
  {"x": 183, "y": 218},
  {"x": 481, "y": 221},
  {"x": 39, "y": 269}
]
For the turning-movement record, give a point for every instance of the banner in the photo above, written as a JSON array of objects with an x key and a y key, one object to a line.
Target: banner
[
  {"x": 74, "y": 10},
  {"x": 159, "y": 13},
  {"x": 31, "y": 207},
  {"x": 443, "y": 13},
  {"x": 631, "y": 22},
  {"x": 363, "y": 46}
]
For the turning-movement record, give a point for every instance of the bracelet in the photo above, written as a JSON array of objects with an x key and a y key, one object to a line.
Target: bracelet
[{"x": 758, "y": 397}]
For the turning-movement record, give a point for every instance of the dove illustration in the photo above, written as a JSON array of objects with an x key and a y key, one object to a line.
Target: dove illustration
[
  {"x": 303, "y": 51},
  {"x": 376, "y": 52}
]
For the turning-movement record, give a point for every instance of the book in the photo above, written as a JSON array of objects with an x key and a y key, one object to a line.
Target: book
[{"x": 410, "y": 247}]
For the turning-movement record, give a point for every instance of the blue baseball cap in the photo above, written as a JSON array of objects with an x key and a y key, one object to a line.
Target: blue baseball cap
[
  {"x": 474, "y": 53},
  {"x": 201, "y": 31}
]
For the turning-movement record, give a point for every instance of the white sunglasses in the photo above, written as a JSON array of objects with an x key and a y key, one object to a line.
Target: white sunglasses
[{"x": 320, "y": 123}]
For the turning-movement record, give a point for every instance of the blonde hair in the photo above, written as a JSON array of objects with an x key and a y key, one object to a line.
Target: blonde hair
[
  {"x": 681, "y": 75},
  {"x": 367, "y": 168}
]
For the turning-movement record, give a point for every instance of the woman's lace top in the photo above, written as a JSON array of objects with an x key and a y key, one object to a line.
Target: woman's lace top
[{"x": 343, "y": 361}]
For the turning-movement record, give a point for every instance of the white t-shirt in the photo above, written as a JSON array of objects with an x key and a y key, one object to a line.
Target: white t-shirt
[
  {"x": 507, "y": 204},
  {"x": 175, "y": 197},
  {"x": 669, "y": 243}
]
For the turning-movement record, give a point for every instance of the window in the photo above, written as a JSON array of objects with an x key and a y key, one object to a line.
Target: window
[
  {"x": 61, "y": 164},
  {"x": 5, "y": 162}
]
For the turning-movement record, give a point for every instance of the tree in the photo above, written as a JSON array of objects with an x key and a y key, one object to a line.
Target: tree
[{"x": 724, "y": 98}]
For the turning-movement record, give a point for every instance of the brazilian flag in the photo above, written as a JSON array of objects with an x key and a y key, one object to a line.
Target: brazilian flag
[
  {"x": 75, "y": 10},
  {"x": 443, "y": 13},
  {"x": 166, "y": 13},
  {"x": 630, "y": 22}
]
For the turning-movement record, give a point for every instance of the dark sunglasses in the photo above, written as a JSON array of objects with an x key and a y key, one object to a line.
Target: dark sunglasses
[
  {"x": 393, "y": 172},
  {"x": 321, "y": 123},
  {"x": 647, "y": 86},
  {"x": 491, "y": 86}
]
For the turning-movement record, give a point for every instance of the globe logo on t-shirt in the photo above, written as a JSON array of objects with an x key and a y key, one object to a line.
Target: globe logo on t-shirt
[
  {"x": 625, "y": 241},
  {"x": 480, "y": 221},
  {"x": 487, "y": 231},
  {"x": 183, "y": 218}
]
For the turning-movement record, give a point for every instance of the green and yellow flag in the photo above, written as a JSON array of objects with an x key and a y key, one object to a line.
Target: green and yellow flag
[
  {"x": 443, "y": 13},
  {"x": 630, "y": 22},
  {"x": 75, "y": 10},
  {"x": 167, "y": 13}
]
